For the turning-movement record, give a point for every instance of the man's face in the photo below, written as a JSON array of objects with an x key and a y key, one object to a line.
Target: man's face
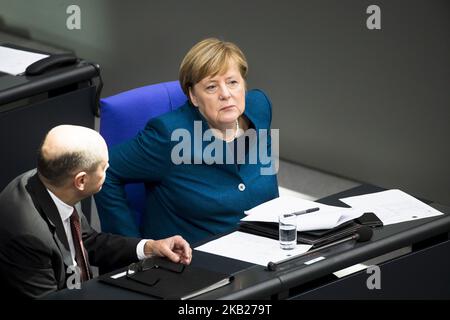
[{"x": 95, "y": 179}]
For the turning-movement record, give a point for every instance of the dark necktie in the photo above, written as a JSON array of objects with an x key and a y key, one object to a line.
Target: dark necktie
[{"x": 80, "y": 253}]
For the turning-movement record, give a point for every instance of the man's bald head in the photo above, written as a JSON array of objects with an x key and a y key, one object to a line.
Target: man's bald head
[{"x": 69, "y": 149}]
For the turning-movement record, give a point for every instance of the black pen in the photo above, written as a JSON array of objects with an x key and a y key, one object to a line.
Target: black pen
[{"x": 298, "y": 213}]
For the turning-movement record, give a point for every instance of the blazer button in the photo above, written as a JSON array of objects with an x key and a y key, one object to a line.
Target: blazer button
[{"x": 241, "y": 187}]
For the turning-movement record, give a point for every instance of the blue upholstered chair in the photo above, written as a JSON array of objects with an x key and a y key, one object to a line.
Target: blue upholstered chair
[{"x": 124, "y": 114}]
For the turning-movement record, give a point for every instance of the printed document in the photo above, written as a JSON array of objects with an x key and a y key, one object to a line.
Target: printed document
[{"x": 392, "y": 206}]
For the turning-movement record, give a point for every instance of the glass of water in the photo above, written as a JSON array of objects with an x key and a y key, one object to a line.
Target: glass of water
[{"x": 288, "y": 231}]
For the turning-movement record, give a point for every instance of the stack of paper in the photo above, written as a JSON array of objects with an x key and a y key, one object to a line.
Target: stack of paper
[
  {"x": 327, "y": 217},
  {"x": 391, "y": 206}
]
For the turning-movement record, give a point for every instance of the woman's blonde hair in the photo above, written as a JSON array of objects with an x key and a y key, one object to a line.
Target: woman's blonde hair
[{"x": 209, "y": 57}]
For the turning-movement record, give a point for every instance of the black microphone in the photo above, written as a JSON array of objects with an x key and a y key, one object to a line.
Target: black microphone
[{"x": 361, "y": 235}]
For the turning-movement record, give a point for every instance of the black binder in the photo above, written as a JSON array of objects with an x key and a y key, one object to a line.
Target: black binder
[
  {"x": 315, "y": 238},
  {"x": 162, "y": 279}
]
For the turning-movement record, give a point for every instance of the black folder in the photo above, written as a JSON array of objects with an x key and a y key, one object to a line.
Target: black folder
[
  {"x": 316, "y": 238},
  {"x": 162, "y": 279}
]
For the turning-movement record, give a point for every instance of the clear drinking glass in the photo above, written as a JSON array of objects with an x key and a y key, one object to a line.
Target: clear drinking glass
[{"x": 288, "y": 231}]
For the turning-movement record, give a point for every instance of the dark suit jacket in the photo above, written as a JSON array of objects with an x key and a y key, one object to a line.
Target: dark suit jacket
[{"x": 34, "y": 251}]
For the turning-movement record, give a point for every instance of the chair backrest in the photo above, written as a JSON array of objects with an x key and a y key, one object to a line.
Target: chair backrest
[{"x": 124, "y": 114}]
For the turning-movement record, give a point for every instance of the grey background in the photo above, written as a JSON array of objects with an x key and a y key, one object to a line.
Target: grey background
[{"x": 368, "y": 105}]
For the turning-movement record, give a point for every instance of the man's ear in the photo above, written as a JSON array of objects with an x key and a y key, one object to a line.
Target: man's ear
[
  {"x": 193, "y": 97},
  {"x": 80, "y": 180}
]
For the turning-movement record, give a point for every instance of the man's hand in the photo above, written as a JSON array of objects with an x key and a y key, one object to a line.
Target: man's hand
[{"x": 174, "y": 248}]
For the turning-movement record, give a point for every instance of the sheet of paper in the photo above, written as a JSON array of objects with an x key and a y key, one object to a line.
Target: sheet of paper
[
  {"x": 326, "y": 218},
  {"x": 250, "y": 248},
  {"x": 15, "y": 61},
  {"x": 392, "y": 206}
]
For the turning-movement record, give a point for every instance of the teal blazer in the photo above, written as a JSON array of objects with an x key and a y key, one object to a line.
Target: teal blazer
[{"x": 202, "y": 197}]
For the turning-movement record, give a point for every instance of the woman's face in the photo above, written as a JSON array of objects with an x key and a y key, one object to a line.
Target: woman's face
[{"x": 220, "y": 99}]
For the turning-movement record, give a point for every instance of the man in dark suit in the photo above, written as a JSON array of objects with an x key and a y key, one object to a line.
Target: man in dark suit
[{"x": 44, "y": 236}]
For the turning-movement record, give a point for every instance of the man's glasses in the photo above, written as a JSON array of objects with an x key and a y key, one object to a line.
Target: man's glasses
[{"x": 135, "y": 270}]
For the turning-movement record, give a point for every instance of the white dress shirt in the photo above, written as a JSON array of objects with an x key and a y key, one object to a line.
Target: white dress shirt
[{"x": 65, "y": 211}]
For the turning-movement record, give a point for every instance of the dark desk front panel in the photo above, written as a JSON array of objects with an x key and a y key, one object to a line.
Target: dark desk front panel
[
  {"x": 424, "y": 274},
  {"x": 23, "y": 127}
]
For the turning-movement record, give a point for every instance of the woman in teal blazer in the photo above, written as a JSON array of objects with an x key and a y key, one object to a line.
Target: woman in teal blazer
[{"x": 203, "y": 164}]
